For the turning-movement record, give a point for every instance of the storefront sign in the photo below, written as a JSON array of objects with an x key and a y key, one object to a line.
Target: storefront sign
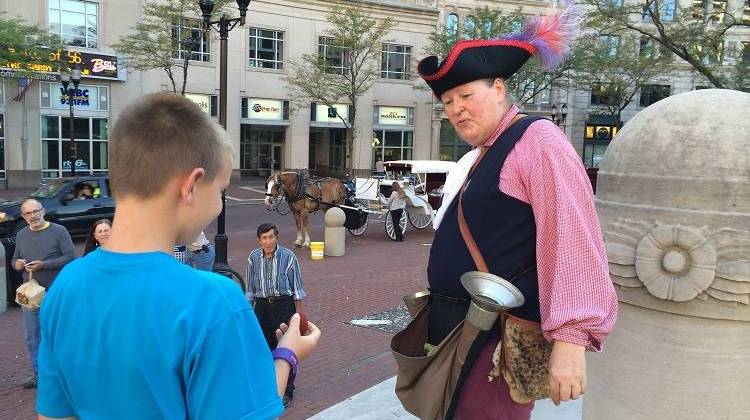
[
  {"x": 203, "y": 101},
  {"x": 333, "y": 114},
  {"x": 85, "y": 97},
  {"x": 388, "y": 115},
  {"x": 92, "y": 65},
  {"x": 265, "y": 109}
]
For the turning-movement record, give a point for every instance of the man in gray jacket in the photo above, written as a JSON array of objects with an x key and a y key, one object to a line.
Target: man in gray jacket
[{"x": 42, "y": 248}]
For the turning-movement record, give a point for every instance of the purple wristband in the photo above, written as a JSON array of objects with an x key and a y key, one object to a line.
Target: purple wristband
[{"x": 288, "y": 356}]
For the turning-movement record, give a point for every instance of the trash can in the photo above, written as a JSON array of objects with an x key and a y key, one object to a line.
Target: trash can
[{"x": 13, "y": 278}]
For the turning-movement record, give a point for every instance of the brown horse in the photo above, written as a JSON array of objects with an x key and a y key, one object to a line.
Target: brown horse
[{"x": 305, "y": 196}]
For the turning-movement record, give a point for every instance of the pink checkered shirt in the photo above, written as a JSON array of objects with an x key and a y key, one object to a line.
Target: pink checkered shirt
[{"x": 576, "y": 297}]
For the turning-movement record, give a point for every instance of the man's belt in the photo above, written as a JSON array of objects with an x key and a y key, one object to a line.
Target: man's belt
[{"x": 272, "y": 299}]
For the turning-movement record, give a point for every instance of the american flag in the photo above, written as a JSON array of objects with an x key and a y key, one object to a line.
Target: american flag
[{"x": 24, "y": 84}]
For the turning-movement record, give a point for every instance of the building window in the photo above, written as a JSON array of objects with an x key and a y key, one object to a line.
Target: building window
[
  {"x": 2, "y": 144},
  {"x": 261, "y": 149},
  {"x": 528, "y": 93},
  {"x": 600, "y": 94},
  {"x": 92, "y": 147},
  {"x": 336, "y": 151},
  {"x": 335, "y": 58},
  {"x": 746, "y": 13},
  {"x": 470, "y": 27},
  {"x": 393, "y": 145},
  {"x": 613, "y": 3},
  {"x": 611, "y": 43},
  {"x": 451, "y": 25},
  {"x": 74, "y": 21},
  {"x": 452, "y": 147},
  {"x": 266, "y": 49},
  {"x": 665, "y": 12},
  {"x": 745, "y": 57},
  {"x": 596, "y": 141},
  {"x": 396, "y": 62},
  {"x": 653, "y": 93},
  {"x": 190, "y": 40}
]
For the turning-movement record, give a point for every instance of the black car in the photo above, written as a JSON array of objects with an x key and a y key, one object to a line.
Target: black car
[{"x": 75, "y": 203}]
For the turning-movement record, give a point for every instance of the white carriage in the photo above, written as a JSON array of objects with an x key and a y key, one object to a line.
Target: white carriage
[{"x": 421, "y": 180}]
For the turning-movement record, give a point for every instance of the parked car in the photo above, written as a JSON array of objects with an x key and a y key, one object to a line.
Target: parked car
[{"x": 75, "y": 203}]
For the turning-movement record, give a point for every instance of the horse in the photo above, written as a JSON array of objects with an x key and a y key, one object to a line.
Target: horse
[{"x": 305, "y": 196}]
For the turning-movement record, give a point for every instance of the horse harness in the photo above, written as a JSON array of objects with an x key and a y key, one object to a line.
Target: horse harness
[{"x": 300, "y": 192}]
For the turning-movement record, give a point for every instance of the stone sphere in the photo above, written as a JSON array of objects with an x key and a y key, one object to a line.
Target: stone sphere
[
  {"x": 673, "y": 192},
  {"x": 335, "y": 217}
]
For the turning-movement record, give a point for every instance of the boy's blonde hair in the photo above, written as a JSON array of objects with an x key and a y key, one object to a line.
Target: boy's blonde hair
[{"x": 161, "y": 136}]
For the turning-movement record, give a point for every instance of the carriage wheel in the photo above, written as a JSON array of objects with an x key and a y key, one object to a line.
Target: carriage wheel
[
  {"x": 389, "y": 225},
  {"x": 418, "y": 218},
  {"x": 362, "y": 229}
]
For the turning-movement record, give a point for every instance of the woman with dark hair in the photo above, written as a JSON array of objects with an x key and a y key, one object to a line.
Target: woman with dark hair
[
  {"x": 98, "y": 236},
  {"x": 396, "y": 204}
]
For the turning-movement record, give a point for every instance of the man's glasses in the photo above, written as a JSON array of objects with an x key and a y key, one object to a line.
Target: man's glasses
[{"x": 36, "y": 212}]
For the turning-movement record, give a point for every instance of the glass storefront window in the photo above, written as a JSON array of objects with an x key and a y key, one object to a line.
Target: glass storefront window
[
  {"x": 2, "y": 145},
  {"x": 393, "y": 145},
  {"x": 261, "y": 149},
  {"x": 452, "y": 147},
  {"x": 91, "y": 152},
  {"x": 593, "y": 153}
]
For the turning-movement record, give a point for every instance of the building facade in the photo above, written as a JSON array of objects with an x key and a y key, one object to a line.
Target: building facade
[{"x": 398, "y": 118}]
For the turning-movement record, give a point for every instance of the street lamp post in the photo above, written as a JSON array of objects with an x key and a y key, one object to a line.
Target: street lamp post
[
  {"x": 223, "y": 26},
  {"x": 559, "y": 114},
  {"x": 66, "y": 76}
]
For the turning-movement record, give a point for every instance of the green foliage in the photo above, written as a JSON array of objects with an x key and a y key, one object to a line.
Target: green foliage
[
  {"x": 619, "y": 67},
  {"x": 694, "y": 35},
  {"x": 152, "y": 43},
  {"x": 23, "y": 45},
  {"x": 347, "y": 72}
]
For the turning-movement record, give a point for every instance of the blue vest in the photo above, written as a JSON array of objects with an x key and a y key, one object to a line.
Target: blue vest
[{"x": 502, "y": 226}]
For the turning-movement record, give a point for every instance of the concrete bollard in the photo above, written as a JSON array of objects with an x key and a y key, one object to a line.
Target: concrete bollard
[
  {"x": 3, "y": 280},
  {"x": 335, "y": 236}
]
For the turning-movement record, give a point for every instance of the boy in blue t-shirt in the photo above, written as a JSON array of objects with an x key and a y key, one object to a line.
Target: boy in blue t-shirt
[{"x": 130, "y": 333}]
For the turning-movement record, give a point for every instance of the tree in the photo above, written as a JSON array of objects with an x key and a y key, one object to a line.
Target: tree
[
  {"x": 616, "y": 69},
  {"x": 25, "y": 48},
  {"x": 696, "y": 35},
  {"x": 485, "y": 23},
  {"x": 162, "y": 36},
  {"x": 346, "y": 69}
]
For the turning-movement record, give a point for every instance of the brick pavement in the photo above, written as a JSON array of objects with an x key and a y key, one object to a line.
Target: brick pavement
[{"x": 373, "y": 276}]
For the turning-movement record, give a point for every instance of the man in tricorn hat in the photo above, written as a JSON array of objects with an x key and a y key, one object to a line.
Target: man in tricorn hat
[{"x": 530, "y": 208}]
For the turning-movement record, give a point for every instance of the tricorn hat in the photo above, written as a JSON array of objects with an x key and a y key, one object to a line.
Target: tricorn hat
[{"x": 547, "y": 37}]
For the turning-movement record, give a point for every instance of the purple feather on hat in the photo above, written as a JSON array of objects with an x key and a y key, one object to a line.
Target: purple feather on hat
[{"x": 552, "y": 35}]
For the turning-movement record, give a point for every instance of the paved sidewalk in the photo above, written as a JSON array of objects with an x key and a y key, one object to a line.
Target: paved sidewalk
[{"x": 380, "y": 403}]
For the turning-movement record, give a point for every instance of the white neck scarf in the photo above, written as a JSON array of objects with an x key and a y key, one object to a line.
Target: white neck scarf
[{"x": 454, "y": 182}]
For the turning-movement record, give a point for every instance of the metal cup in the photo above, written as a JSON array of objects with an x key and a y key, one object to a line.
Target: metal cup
[{"x": 490, "y": 294}]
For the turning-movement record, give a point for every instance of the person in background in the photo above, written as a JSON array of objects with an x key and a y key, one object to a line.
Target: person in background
[
  {"x": 396, "y": 203},
  {"x": 276, "y": 290},
  {"x": 98, "y": 235},
  {"x": 201, "y": 253},
  {"x": 43, "y": 248},
  {"x": 85, "y": 192}
]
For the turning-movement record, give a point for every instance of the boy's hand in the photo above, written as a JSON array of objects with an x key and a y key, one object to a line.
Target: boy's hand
[
  {"x": 20, "y": 263},
  {"x": 301, "y": 345},
  {"x": 35, "y": 265}
]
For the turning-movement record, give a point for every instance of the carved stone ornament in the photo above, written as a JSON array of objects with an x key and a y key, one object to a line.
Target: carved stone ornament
[{"x": 680, "y": 263}]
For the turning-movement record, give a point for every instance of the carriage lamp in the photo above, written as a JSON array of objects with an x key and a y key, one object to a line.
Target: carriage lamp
[{"x": 223, "y": 26}]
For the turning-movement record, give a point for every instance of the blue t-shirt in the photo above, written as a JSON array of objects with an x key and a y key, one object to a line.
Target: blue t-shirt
[{"x": 141, "y": 336}]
